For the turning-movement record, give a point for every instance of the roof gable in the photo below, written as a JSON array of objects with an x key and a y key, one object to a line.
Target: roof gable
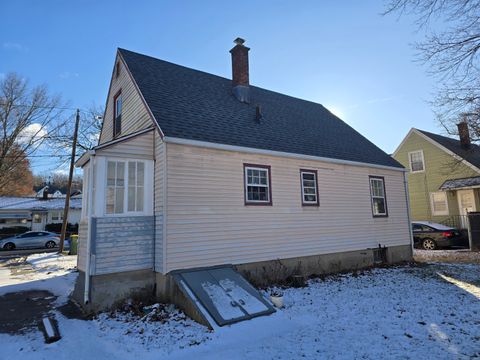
[
  {"x": 453, "y": 147},
  {"x": 194, "y": 105}
]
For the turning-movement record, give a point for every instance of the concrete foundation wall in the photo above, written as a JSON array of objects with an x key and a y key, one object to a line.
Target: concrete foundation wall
[
  {"x": 109, "y": 289},
  {"x": 275, "y": 271},
  {"x": 106, "y": 291}
]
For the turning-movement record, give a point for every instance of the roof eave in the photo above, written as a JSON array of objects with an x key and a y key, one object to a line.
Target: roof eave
[{"x": 226, "y": 147}]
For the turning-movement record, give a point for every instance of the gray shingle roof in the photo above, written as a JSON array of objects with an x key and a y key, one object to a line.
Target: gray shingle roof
[
  {"x": 460, "y": 183},
  {"x": 472, "y": 154},
  {"x": 195, "y": 105}
]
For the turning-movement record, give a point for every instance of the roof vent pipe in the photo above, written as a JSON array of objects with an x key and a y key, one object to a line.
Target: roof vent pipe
[
  {"x": 464, "y": 134},
  {"x": 258, "y": 113}
]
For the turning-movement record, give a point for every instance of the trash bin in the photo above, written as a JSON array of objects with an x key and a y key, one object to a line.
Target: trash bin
[
  {"x": 474, "y": 229},
  {"x": 73, "y": 244}
]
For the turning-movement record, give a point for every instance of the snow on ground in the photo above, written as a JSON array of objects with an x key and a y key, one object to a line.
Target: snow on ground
[
  {"x": 46, "y": 271},
  {"x": 410, "y": 312}
]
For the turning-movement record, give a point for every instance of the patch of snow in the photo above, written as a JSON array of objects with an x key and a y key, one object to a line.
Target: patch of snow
[
  {"x": 429, "y": 311},
  {"x": 222, "y": 302},
  {"x": 247, "y": 301},
  {"x": 46, "y": 271}
]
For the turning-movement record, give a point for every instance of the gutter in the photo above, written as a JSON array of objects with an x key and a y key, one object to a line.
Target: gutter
[
  {"x": 86, "y": 294},
  {"x": 210, "y": 145}
]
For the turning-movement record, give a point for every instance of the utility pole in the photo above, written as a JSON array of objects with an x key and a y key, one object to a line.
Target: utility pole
[{"x": 69, "y": 186}]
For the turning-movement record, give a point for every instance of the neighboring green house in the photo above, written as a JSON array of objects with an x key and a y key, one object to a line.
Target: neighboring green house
[{"x": 444, "y": 175}]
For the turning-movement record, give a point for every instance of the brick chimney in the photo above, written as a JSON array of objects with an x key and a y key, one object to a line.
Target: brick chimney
[
  {"x": 240, "y": 75},
  {"x": 464, "y": 134}
]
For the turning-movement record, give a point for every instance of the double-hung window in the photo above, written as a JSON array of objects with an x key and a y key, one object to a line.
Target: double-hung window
[
  {"x": 377, "y": 193},
  {"x": 125, "y": 187},
  {"x": 117, "y": 114},
  {"x": 257, "y": 185},
  {"x": 416, "y": 160},
  {"x": 309, "y": 186}
]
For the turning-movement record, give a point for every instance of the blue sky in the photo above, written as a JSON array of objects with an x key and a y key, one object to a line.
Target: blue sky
[{"x": 344, "y": 55}]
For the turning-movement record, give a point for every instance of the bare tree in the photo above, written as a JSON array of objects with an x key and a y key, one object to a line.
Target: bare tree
[
  {"x": 451, "y": 54},
  {"x": 28, "y": 115},
  {"x": 88, "y": 134}
]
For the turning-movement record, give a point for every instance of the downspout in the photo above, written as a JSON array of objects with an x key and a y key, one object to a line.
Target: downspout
[
  {"x": 407, "y": 201},
  {"x": 86, "y": 294}
]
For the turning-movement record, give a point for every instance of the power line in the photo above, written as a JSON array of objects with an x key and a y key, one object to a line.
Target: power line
[{"x": 46, "y": 107}]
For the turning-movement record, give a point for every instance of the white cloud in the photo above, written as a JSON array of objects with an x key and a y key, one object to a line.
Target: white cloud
[
  {"x": 32, "y": 132},
  {"x": 68, "y": 75},
  {"x": 14, "y": 46}
]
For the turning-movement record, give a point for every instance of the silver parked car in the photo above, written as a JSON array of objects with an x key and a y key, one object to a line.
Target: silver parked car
[{"x": 31, "y": 240}]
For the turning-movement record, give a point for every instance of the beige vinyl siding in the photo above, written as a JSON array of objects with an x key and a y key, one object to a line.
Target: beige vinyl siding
[
  {"x": 159, "y": 177},
  {"x": 138, "y": 147},
  {"x": 134, "y": 113},
  {"x": 439, "y": 167},
  {"x": 208, "y": 223}
]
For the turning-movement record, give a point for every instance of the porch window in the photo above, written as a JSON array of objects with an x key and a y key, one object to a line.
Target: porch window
[
  {"x": 439, "y": 203},
  {"x": 136, "y": 181},
  {"x": 417, "y": 163},
  {"x": 125, "y": 187},
  {"x": 257, "y": 185},
  {"x": 309, "y": 186},
  {"x": 115, "y": 187},
  {"x": 117, "y": 114},
  {"x": 377, "y": 193}
]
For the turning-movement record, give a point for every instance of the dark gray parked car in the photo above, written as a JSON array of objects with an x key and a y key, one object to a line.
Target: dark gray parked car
[
  {"x": 31, "y": 240},
  {"x": 431, "y": 236}
]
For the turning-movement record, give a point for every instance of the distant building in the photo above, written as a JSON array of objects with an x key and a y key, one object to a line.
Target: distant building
[
  {"x": 444, "y": 175},
  {"x": 35, "y": 213}
]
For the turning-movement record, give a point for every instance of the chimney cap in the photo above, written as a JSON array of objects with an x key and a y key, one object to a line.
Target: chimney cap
[{"x": 239, "y": 41}]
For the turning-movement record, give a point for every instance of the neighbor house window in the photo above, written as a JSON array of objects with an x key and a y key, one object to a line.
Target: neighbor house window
[
  {"x": 309, "y": 186},
  {"x": 125, "y": 187},
  {"x": 117, "y": 114},
  {"x": 257, "y": 185},
  {"x": 439, "y": 203},
  {"x": 57, "y": 215},
  {"x": 377, "y": 193},
  {"x": 417, "y": 163}
]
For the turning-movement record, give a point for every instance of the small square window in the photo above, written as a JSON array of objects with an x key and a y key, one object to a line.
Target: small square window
[{"x": 439, "y": 203}]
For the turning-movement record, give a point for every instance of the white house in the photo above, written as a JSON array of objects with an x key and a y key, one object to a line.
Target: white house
[
  {"x": 194, "y": 170},
  {"x": 35, "y": 213}
]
